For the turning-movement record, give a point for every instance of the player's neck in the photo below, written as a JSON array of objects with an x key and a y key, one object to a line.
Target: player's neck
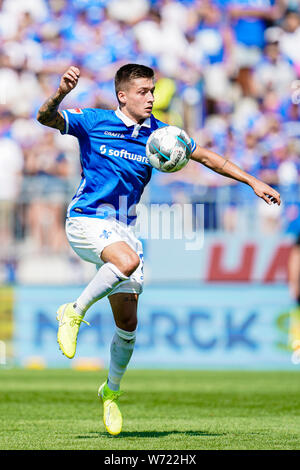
[{"x": 133, "y": 118}]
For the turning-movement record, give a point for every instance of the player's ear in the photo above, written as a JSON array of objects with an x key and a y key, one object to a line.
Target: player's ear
[{"x": 122, "y": 97}]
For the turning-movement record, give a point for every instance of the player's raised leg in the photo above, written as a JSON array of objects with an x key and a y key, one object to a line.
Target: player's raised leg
[
  {"x": 120, "y": 261},
  {"x": 124, "y": 307}
]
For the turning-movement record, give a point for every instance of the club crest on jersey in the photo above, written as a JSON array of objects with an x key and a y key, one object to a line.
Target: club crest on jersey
[{"x": 75, "y": 111}]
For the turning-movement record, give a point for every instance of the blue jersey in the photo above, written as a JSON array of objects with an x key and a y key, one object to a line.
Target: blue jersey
[{"x": 115, "y": 168}]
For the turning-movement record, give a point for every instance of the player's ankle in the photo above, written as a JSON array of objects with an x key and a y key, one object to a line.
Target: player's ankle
[
  {"x": 112, "y": 386},
  {"x": 78, "y": 308}
]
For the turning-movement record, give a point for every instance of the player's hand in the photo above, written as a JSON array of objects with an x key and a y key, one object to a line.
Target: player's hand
[
  {"x": 69, "y": 80},
  {"x": 263, "y": 190}
]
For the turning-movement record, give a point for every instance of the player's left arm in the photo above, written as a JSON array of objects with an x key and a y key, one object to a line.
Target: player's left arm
[{"x": 227, "y": 168}]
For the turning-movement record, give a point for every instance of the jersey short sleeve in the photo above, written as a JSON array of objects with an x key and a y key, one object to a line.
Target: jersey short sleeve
[{"x": 78, "y": 122}]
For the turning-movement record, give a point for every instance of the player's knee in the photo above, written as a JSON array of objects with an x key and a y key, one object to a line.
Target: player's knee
[
  {"x": 128, "y": 263},
  {"x": 128, "y": 324}
]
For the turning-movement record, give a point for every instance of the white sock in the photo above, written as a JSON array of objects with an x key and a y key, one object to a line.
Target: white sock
[
  {"x": 121, "y": 350},
  {"x": 108, "y": 277}
]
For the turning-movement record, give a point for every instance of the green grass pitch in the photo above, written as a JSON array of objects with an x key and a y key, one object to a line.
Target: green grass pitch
[{"x": 164, "y": 410}]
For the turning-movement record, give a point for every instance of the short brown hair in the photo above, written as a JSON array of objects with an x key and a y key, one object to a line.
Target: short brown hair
[{"x": 130, "y": 72}]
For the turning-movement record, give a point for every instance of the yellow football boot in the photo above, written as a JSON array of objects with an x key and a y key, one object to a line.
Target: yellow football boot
[
  {"x": 112, "y": 416},
  {"x": 68, "y": 327}
]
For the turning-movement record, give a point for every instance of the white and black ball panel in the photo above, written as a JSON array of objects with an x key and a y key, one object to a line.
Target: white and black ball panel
[{"x": 168, "y": 149}]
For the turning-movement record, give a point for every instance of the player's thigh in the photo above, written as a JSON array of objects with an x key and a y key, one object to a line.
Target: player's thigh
[{"x": 124, "y": 308}]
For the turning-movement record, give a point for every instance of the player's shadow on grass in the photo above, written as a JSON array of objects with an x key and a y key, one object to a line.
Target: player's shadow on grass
[
  {"x": 166, "y": 433},
  {"x": 150, "y": 434}
]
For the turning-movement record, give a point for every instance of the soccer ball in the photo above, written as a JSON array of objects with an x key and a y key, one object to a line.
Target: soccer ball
[{"x": 168, "y": 149}]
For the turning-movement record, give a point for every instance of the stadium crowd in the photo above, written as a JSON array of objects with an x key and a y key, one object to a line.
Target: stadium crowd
[{"x": 227, "y": 71}]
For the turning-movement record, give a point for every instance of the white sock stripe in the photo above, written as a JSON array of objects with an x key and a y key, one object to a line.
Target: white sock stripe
[
  {"x": 116, "y": 271},
  {"x": 128, "y": 335}
]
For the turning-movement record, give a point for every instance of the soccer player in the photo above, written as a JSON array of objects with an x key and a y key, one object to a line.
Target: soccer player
[{"x": 99, "y": 220}]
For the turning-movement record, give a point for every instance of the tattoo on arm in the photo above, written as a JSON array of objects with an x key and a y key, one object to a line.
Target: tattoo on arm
[
  {"x": 224, "y": 163},
  {"x": 48, "y": 113}
]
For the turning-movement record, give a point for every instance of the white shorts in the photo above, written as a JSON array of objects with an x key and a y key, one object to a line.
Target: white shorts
[{"x": 88, "y": 236}]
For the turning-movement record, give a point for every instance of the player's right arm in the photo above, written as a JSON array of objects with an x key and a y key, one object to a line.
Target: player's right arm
[{"x": 48, "y": 113}]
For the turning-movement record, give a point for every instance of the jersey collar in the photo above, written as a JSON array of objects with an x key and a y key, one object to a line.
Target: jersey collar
[{"x": 129, "y": 122}]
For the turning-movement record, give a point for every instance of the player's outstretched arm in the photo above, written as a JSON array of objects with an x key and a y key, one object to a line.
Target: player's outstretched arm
[
  {"x": 226, "y": 168},
  {"x": 48, "y": 113}
]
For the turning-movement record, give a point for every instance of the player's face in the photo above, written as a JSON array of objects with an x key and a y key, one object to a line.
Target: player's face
[{"x": 137, "y": 98}]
